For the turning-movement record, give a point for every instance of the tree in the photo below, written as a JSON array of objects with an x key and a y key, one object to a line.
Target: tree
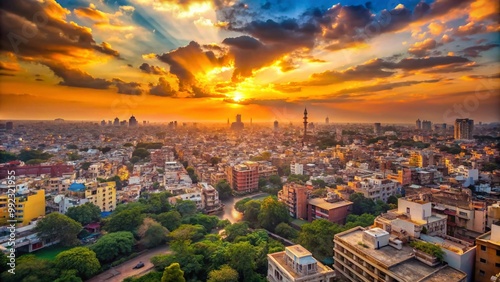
[
  {"x": 225, "y": 191},
  {"x": 85, "y": 213},
  {"x": 240, "y": 205},
  {"x": 363, "y": 220},
  {"x": 69, "y": 276},
  {"x": 135, "y": 159},
  {"x": 127, "y": 220},
  {"x": 272, "y": 213},
  {"x": 251, "y": 214},
  {"x": 6, "y": 156},
  {"x": 286, "y": 231},
  {"x": 188, "y": 232},
  {"x": 153, "y": 276},
  {"x": 185, "y": 207},
  {"x": 234, "y": 230},
  {"x": 207, "y": 221},
  {"x": 31, "y": 268},
  {"x": 317, "y": 237},
  {"x": 141, "y": 153},
  {"x": 3, "y": 262},
  {"x": 361, "y": 204},
  {"x": 392, "y": 200},
  {"x": 85, "y": 165},
  {"x": 242, "y": 258},
  {"x": 214, "y": 160},
  {"x": 319, "y": 183},
  {"x": 25, "y": 155},
  {"x": 82, "y": 259},
  {"x": 152, "y": 233},
  {"x": 171, "y": 220},
  {"x": 57, "y": 226},
  {"x": 224, "y": 274},
  {"x": 173, "y": 273},
  {"x": 113, "y": 245}
]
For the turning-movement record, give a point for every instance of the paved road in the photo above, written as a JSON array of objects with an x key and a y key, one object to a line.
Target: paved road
[
  {"x": 124, "y": 270},
  {"x": 230, "y": 213}
]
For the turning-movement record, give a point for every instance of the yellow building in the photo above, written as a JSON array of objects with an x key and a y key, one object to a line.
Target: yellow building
[
  {"x": 29, "y": 206},
  {"x": 102, "y": 195}
]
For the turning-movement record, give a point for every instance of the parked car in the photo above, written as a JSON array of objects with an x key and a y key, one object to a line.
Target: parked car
[{"x": 139, "y": 265}]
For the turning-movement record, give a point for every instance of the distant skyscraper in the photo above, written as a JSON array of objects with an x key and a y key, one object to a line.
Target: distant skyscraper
[
  {"x": 418, "y": 124},
  {"x": 463, "y": 128},
  {"x": 305, "y": 125},
  {"x": 9, "y": 125},
  {"x": 327, "y": 120},
  {"x": 426, "y": 125},
  {"x": 275, "y": 125},
  {"x": 116, "y": 122},
  {"x": 103, "y": 123},
  {"x": 377, "y": 128},
  {"x": 110, "y": 122},
  {"x": 132, "y": 121},
  {"x": 237, "y": 125}
]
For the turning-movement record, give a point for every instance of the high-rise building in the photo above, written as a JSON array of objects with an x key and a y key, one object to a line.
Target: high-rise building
[
  {"x": 132, "y": 121},
  {"x": 488, "y": 254},
  {"x": 327, "y": 120},
  {"x": 9, "y": 125},
  {"x": 103, "y": 123},
  {"x": 276, "y": 124},
  {"x": 296, "y": 168},
  {"x": 377, "y": 128},
  {"x": 427, "y": 125},
  {"x": 418, "y": 124},
  {"x": 305, "y": 125},
  {"x": 116, "y": 122},
  {"x": 463, "y": 129},
  {"x": 237, "y": 125},
  {"x": 294, "y": 196}
]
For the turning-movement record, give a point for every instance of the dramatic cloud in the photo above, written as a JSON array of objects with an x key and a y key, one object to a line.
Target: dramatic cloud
[
  {"x": 130, "y": 88},
  {"x": 163, "y": 88},
  {"x": 421, "y": 49},
  {"x": 9, "y": 66},
  {"x": 147, "y": 68},
  {"x": 475, "y": 51},
  {"x": 383, "y": 87},
  {"x": 77, "y": 78}
]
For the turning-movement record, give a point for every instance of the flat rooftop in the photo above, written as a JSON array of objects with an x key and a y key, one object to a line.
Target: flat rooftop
[
  {"x": 387, "y": 255},
  {"x": 319, "y": 202},
  {"x": 413, "y": 270},
  {"x": 298, "y": 251},
  {"x": 280, "y": 260},
  {"x": 445, "y": 274}
]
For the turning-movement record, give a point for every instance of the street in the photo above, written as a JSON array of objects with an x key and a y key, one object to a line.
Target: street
[{"x": 124, "y": 270}]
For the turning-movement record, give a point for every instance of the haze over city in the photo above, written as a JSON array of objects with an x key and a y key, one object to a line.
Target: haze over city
[{"x": 354, "y": 61}]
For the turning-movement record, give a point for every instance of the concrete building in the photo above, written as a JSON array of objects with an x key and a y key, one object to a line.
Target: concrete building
[
  {"x": 297, "y": 264},
  {"x": 463, "y": 129},
  {"x": 375, "y": 255},
  {"x": 488, "y": 254},
  {"x": 331, "y": 208},
  {"x": 376, "y": 188},
  {"x": 244, "y": 177},
  {"x": 210, "y": 198},
  {"x": 295, "y": 197},
  {"x": 296, "y": 168},
  {"x": 377, "y": 128},
  {"x": 30, "y": 205},
  {"x": 102, "y": 195},
  {"x": 190, "y": 194}
]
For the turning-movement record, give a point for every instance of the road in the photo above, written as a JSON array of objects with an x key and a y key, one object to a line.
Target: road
[
  {"x": 230, "y": 213},
  {"x": 124, "y": 270}
]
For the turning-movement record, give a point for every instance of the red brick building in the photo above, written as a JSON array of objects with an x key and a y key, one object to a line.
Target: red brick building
[
  {"x": 333, "y": 208},
  {"x": 55, "y": 170}
]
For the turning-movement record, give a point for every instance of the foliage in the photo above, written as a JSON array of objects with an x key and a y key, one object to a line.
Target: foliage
[
  {"x": 429, "y": 248},
  {"x": 82, "y": 259},
  {"x": 26, "y": 155},
  {"x": 272, "y": 213},
  {"x": 31, "y": 268},
  {"x": 69, "y": 276},
  {"x": 240, "y": 205},
  {"x": 318, "y": 183},
  {"x": 224, "y": 274},
  {"x": 363, "y": 220},
  {"x": 297, "y": 178},
  {"x": 3, "y": 262},
  {"x": 214, "y": 160},
  {"x": 361, "y": 204},
  {"x": 149, "y": 146},
  {"x": 7, "y": 156},
  {"x": 242, "y": 258},
  {"x": 128, "y": 144},
  {"x": 317, "y": 237},
  {"x": 126, "y": 220},
  {"x": 286, "y": 231},
  {"x": 318, "y": 193},
  {"x": 185, "y": 207},
  {"x": 156, "y": 202},
  {"x": 187, "y": 232},
  {"x": 392, "y": 200},
  {"x": 224, "y": 189},
  {"x": 152, "y": 233},
  {"x": 85, "y": 213},
  {"x": 113, "y": 245},
  {"x": 207, "y": 221},
  {"x": 171, "y": 220},
  {"x": 236, "y": 229},
  {"x": 85, "y": 165},
  {"x": 490, "y": 167},
  {"x": 173, "y": 273},
  {"x": 251, "y": 212},
  {"x": 153, "y": 276},
  {"x": 141, "y": 153},
  {"x": 57, "y": 226}
]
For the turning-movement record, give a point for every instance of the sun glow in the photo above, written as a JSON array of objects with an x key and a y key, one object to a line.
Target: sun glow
[{"x": 237, "y": 97}]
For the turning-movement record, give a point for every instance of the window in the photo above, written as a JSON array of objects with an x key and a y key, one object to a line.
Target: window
[
  {"x": 481, "y": 272},
  {"x": 482, "y": 260},
  {"x": 497, "y": 264},
  {"x": 498, "y": 253},
  {"x": 483, "y": 248}
]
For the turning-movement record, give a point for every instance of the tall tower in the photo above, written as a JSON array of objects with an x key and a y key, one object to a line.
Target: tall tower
[
  {"x": 305, "y": 124},
  {"x": 327, "y": 120}
]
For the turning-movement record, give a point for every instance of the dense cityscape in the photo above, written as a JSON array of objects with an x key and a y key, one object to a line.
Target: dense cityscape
[{"x": 242, "y": 201}]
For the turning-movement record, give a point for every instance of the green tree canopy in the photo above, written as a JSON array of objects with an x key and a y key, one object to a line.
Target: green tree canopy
[
  {"x": 171, "y": 220},
  {"x": 286, "y": 231},
  {"x": 185, "y": 207},
  {"x": 113, "y": 245},
  {"x": 57, "y": 226},
  {"x": 31, "y": 268},
  {"x": 85, "y": 213},
  {"x": 69, "y": 276},
  {"x": 225, "y": 191},
  {"x": 224, "y": 274},
  {"x": 317, "y": 237},
  {"x": 242, "y": 258},
  {"x": 26, "y": 155},
  {"x": 141, "y": 153},
  {"x": 152, "y": 233},
  {"x": 82, "y": 259},
  {"x": 234, "y": 230},
  {"x": 272, "y": 213},
  {"x": 207, "y": 221},
  {"x": 188, "y": 232},
  {"x": 127, "y": 220},
  {"x": 173, "y": 273}
]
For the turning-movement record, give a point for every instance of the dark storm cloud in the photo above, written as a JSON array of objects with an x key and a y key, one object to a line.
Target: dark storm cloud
[
  {"x": 147, "y": 68},
  {"x": 162, "y": 88},
  {"x": 77, "y": 78}
]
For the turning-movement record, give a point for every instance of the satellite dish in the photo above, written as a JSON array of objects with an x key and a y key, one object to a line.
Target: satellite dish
[{"x": 58, "y": 199}]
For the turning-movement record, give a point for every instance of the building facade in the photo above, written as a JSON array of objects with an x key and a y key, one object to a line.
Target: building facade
[
  {"x": 463, "y": 129},
  {"x": 488, "y": 254},
  {"x": 295, "y": 197}
]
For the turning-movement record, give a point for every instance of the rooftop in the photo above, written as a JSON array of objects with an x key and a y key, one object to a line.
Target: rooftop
[
  {"x": 298, "y": 251},
  {"x": 280, "y": 260},
  {"x": 319, "y": 202}
]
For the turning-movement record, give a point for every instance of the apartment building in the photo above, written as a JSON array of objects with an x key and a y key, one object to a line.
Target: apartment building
[
  {"x": 295, "y": 197},
  {"x": 374, "y": 255},
  {"x": 331, "y": 208},
  {"x": 30, "y": 205},
  {"x": 488, "y": 254},
  {"x": 376, "y": 188},
  {"x": 102, "y": 195},
  {"x": 296, "y": 168},
  {"x": 210, "y": 198},
  {"x": 296, "y": 264}
]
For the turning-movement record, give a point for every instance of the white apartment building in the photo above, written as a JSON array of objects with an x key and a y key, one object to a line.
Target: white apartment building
[{"x": 296, "y": 168}]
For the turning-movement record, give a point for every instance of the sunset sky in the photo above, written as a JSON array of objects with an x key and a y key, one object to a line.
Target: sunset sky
[{"x": 194, "y": 60}]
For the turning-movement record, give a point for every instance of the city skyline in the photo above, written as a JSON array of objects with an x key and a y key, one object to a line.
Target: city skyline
[{"x": 207, "y": 60}]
